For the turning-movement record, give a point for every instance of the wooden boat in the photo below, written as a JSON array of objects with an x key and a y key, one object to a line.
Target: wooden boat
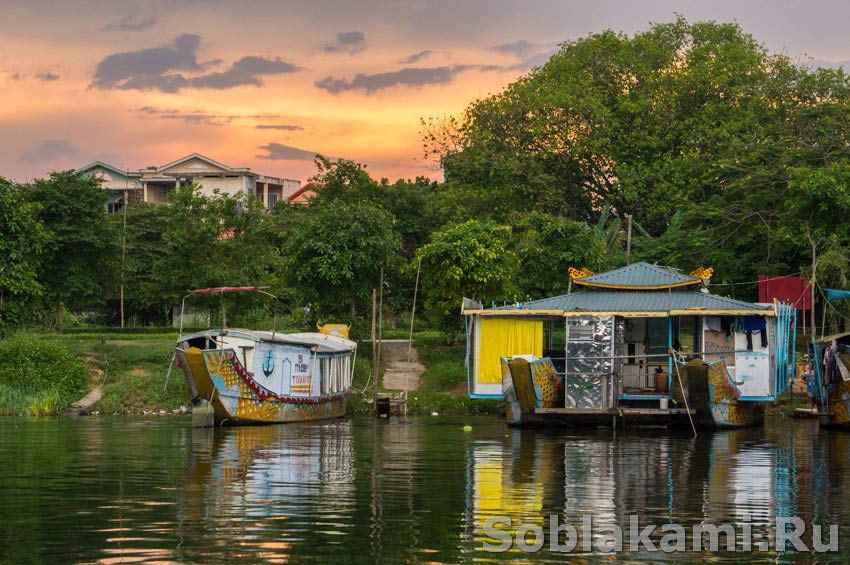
[
  {"x": 715, "y": 398},
  {"x": 829, "y": 381},
  {"x": 240, "y": 376}
]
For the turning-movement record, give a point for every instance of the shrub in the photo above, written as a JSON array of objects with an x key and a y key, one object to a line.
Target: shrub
[{"x": 42, "y": 370}]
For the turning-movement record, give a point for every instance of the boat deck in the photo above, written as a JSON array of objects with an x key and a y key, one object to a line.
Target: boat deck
[{"x": 625, "y": 410}]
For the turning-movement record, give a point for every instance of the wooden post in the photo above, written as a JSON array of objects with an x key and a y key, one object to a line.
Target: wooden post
[
  {"x": 380, "y": 322},
  {"x": 374, "y": 352},
  {"x": 814, "y": 245},
  {"x": 413, "y": 310},
  {"x": 629, "y": 240},
  {"x": 123, "y": 252}
]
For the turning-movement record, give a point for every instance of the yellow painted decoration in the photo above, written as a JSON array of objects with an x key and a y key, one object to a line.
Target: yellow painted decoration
[
  {"x": 505, "y": 337},
  {"x": 838, "y": 401},
  {"x": 580, "y": 273},
  {"x": 334, "y": 329},
  {"x": 704, "y": 273}
]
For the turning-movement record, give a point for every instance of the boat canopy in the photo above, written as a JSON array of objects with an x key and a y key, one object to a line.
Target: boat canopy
[{"x": 320, "y": 343}]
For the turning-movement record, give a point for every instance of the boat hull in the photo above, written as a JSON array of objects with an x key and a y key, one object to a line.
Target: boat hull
[
  {"x": 714, "y": 400},
  {"x": 222, "y": 393},
  {"x": 838, "y": 414},
  {"x": 711, "y": 400}
]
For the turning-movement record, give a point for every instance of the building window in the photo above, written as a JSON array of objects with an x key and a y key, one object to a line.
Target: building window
[
  {"x": 272, "y": 201},
  {"x": 113, "y": 207}
]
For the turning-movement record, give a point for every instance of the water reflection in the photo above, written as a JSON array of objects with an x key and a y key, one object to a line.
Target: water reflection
[
  {"x": 740, "y": 476},
  {"x": 360, "y": 490}
]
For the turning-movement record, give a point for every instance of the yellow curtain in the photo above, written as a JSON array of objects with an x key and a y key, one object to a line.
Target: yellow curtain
[{"x": 505, "y": 337}]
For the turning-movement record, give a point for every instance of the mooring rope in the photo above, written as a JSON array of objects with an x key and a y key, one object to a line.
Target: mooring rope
[{"x": 676, "y": 356}]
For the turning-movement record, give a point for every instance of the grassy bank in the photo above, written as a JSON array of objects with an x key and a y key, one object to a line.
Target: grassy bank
[
  {"x": 130, "y": 368},
  {"x": 443, "y": 385}
]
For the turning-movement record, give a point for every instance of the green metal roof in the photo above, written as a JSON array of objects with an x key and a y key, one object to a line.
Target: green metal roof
[
  {"x": 639, "y": 276},
  {"x": 645, "y": 301}
]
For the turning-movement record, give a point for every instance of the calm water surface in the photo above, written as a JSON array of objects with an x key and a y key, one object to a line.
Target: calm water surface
[{"x": 124, "y": 490}]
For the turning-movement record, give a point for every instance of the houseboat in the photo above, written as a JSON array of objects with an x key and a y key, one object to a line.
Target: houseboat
[
  {"x": 639, "y": 345},
  {"x": 241, "y": 376}
]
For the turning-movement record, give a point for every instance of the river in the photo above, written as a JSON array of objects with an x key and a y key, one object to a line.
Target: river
[{"x": 124, "y": 490}]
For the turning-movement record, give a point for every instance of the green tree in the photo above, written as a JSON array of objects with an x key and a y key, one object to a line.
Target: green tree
[
  {"x": 472, "y": 260},
  {"x": 143, "y": 288},
  {"x": 80, "y": 259},
  {"x": 22, "y": 240},
  {"x": 547, "y": 246},
  {"x": 333, "y": 252},
  {"x": 647, "y": 124},
  {"x": 212, "y": 240}
]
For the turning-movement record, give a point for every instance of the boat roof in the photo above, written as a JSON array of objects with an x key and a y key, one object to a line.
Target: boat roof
[
  {"x": 322, "y": 343},
  {"x": 638, "y": 276},
  {"x": 631, "y": 303},
  {"x": 834, "y": 337}
]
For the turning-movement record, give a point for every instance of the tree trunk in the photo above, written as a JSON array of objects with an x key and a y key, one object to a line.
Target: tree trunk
[
  {"x": 353, "y": 302},
  {"x": 59, "y": 314}
]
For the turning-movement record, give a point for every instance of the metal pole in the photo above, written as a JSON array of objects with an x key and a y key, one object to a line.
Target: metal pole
[{"x": 629, "y": 240}]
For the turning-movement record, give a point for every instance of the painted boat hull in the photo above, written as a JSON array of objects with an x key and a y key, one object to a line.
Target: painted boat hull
[
  {"x": 713, "y": 398},
  {"x": 223, "y": 395},
  {"x": 522, "y": 410},
  {"x": 710, "y": 397},
  {"x": 838, "y": 414}
]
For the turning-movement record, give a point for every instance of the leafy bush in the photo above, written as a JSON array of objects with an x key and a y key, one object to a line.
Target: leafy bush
[{"x": 44, "y": 372}]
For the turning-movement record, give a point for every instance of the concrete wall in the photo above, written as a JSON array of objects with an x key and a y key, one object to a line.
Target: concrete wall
[
  {"x": 225, "y": 185},
  {"x": 157, "y": 193}
]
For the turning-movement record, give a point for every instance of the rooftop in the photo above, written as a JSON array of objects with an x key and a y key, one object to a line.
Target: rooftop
[
  {"x": 638, "y": 276},
  {"x": 652, "y": 301}
]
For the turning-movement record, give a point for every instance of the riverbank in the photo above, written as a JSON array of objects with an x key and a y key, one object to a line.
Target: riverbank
[{"x": 130, "y": 370}]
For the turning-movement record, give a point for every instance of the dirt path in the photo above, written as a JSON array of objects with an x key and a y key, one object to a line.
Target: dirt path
[
  {"x": 86, "y": 404},
  {"x": 399, "y": 373}
]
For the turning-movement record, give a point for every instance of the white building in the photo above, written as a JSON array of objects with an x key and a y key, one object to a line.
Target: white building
[{"x": 152, "y": 184}]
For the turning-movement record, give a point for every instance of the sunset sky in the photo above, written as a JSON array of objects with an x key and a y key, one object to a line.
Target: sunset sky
[{"x": 268, "y": 84}]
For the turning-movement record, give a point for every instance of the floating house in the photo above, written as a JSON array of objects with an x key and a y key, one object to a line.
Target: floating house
[{"x": 642, "y": 343}]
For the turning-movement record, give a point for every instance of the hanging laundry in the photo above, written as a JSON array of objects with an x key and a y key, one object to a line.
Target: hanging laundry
[
  {"x": 713, "y": 324},
  {"x": 754, "y": 323}
]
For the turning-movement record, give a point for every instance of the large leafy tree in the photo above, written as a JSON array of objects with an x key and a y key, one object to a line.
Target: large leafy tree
[
  {"x": 333, "y": 252},
  {"x": 547, "y": 246},
  {"x": 473, "y": 260},
  {"x": 648, "y": 124},
  {"x": 80, "y": 258},
  {"x": 143, "y": 288},
  {"x": 212, "y": 240},
  {"x": 22, "y": 240}
]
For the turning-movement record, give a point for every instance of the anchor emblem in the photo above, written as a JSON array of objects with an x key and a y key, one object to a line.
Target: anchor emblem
[{"x": 268, "y": 364}]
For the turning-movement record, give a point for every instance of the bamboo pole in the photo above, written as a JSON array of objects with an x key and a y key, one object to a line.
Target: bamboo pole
[
  {"x": 123, "y": 251},
  {"x": 413, "y": 310},
  {"x": 380, "y": 321},
  {"x": 374, "y": 352}
]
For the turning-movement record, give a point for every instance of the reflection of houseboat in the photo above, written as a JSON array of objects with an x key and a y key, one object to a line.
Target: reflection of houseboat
[
  {"x": 246, "y": 376},
  {"x": 829, "y": 380},
  {"x": 642, "y": 343}
]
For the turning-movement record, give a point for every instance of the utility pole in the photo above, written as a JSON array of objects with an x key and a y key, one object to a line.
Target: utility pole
[{"x": 629, "y": 239}]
